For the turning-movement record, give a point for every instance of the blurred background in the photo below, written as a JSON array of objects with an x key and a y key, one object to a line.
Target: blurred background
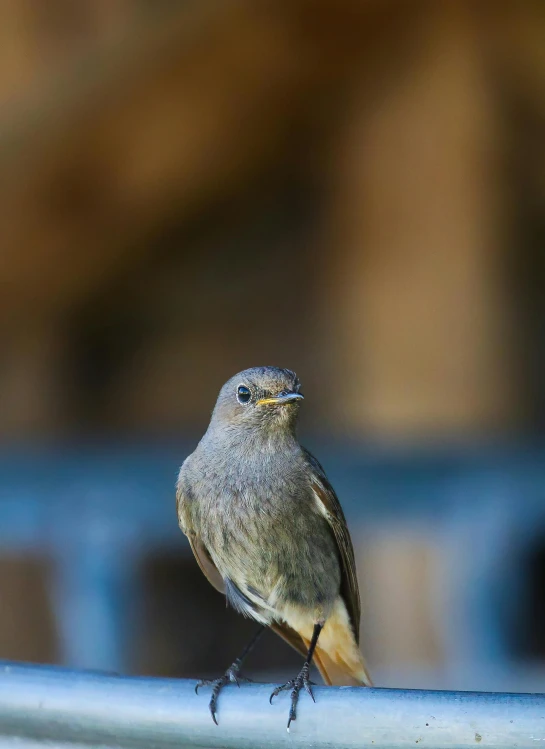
[{"x": 351, "y": 189}]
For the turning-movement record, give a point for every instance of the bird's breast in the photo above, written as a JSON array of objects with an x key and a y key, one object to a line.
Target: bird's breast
[{"x": 272, "y": 539}]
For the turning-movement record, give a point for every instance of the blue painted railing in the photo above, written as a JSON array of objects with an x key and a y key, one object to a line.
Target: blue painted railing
[{"x": 54, "y": 708}]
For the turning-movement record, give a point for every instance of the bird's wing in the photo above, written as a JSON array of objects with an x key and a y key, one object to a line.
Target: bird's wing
[
  {"x": 200, "y": 552},
  {"x": 330, "y": 508},
  {"x": 204, "y": 560}
]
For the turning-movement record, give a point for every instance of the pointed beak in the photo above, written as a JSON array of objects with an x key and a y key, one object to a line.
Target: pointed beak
[{"x": 280, "y": 400}]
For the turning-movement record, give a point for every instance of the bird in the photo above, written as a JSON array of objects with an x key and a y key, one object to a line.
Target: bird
[{"x": 268, "y": 531}]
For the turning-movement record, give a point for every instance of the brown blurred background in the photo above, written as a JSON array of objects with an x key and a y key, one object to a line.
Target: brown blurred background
[{"x": 352, "y": 189}]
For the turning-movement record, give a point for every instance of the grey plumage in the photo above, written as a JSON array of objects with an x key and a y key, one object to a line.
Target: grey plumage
[{"x": 266, "y": 526}]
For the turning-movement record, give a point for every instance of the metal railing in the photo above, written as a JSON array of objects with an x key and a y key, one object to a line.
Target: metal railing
[{"x": 51, "y": 707}]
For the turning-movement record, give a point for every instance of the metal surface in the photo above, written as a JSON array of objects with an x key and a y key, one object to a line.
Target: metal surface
[{"x": 41, "y": 706}]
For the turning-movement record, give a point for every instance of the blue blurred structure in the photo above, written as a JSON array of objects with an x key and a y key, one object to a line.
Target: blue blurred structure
[{"x": 97, "y": 513}]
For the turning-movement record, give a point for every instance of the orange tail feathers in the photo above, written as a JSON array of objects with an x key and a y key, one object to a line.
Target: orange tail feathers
[
  {"x": 338, "y": 673},
  {"x": 338, "y": 655}
]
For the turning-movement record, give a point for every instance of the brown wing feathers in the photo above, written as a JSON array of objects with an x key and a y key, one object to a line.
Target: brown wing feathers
[{"x": 333, "y": 512}]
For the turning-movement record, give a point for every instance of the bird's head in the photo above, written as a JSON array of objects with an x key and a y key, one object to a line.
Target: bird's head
[{"x": 265, "y": 398}]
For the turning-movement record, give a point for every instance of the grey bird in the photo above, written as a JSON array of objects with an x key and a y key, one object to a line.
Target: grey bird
[{"x": 268, "y": 531}]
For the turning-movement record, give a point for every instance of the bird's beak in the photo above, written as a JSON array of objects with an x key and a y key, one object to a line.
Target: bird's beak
[{"x": 280, "y": 400}]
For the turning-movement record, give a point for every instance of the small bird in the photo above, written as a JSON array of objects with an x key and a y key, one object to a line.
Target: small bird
[{"x": 268, "y": 531}]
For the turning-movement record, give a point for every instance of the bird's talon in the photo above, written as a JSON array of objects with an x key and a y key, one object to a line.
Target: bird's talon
[
  {"x": 230, "y": 676},
  {"x": 203, "y": 683},
  {"x": 295, "y": 685},
  {"x": 276, "y": 691},
  {"x": 292, "y": 715}
]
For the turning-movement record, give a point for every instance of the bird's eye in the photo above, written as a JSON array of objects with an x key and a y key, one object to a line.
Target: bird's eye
[
  {"x": 283, "y": 393},
  {"x": 243, "y": 394}
]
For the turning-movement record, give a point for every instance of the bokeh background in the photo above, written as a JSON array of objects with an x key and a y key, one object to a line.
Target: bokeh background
[{"x": 354, "y": 189}]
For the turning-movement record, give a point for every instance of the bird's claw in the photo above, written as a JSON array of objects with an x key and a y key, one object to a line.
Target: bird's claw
[
  {"x": 302, "y": 680},
  {"x": 288, "y": 685},
  {"x": 231, "y": 676}
]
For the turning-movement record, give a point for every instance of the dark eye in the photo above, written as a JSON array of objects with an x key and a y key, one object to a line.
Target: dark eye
[
  {"x": 243, "y": 394},
  {"x": 283, "y": 393}
]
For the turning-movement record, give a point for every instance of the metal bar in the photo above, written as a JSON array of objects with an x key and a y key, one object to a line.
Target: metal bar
[{"x": 43, "y": 706}]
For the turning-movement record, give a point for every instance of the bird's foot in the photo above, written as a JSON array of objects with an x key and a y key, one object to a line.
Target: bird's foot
[
  {"x": 231, "y": 676},
  {"x": 300, "y": 681}
]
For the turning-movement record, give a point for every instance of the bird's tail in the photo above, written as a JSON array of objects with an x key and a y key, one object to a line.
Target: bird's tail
[
  {"x": 335, "y": 671},
  {"x": 337, "y": 655}
]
